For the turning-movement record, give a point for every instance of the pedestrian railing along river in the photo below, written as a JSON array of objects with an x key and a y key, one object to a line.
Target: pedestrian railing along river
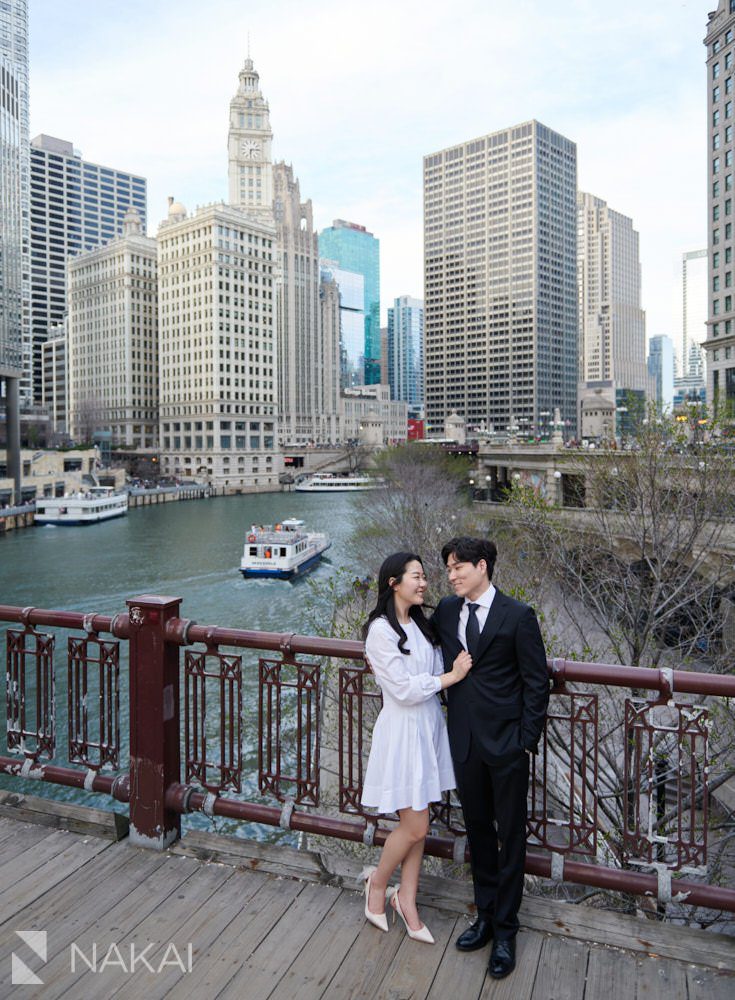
[{"x": 619, "y": 791}]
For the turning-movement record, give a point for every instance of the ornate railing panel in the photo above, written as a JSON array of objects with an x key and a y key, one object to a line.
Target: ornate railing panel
[
  {"x": 360, "y": 702},
  {"x": 30, "y": 720},
  {"x": 93, "y": 741},
  {"x": 288, "y": 724},
  {"x": 562, "y": 811},
  {"x": 213, "y": 714},
  {"x": 666, "y": 777}
]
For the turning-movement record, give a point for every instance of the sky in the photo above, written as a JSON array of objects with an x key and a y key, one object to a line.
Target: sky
[{"x": 360, "y": 92}]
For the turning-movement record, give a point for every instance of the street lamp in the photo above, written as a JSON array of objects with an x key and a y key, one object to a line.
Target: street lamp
[{"x": 488, "y": 480}]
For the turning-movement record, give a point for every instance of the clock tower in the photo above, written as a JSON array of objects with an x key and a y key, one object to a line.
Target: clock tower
[{"x": 249, "y": 148}]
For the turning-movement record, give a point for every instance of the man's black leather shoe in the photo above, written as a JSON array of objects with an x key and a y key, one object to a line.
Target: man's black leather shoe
[
  {"x": 502, "y": 959},
  {"x": 476, "y": 936}
]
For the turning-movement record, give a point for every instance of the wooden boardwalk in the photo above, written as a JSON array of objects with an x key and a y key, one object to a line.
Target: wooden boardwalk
[{"x": 271, "y": 923}]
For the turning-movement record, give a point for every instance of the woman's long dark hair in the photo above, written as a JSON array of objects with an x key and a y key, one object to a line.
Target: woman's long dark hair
[{"x": 392, "y": 570}]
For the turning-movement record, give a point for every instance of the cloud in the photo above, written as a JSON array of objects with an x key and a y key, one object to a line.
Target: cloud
[{"x": 359, "y": 93}]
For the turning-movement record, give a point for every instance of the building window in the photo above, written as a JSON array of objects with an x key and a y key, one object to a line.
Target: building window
[
  {"x": 716, "y": 165},
  {"x": 715, "y": 95},
  {"x": 715, "y": 237},
  {"x": 715, "y": 118},
  {"x": 715, "y": 213},
  {"x": 728, "y": 255},
  {"x": 728, "y": 133},
  {"x": 716, "y": 140},
  {"x": 715, "y": 307},
  {"x": 716, "y": 283},
  {"x": 728, "y": 109},
  {"x": 716, "y": 259},
  {"x": 728, "y": 85},
  {"x": 715, "y": 71},
  {"x": 728, "y": 60},
  {"x": 728, "y": 303},
  {"x": 728, "y": 206},
  {"x": 728, "y": 230},
  {"x": 728, "y": 35},
  {"x": 715, "y": 329},
  {"x": 728, "y": 182},
  {"x": 716, "y": 189}
]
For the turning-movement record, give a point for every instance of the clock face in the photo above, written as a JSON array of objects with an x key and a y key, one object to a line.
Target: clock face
[{"x": 250, "y": 148}]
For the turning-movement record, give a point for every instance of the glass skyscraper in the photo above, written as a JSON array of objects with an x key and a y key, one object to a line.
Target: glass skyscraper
[
  {"x": 13, "y": 184},
  {"x": 406, "y": 351},
  {"x": 351, "y": 287},
  {"x": 75, "y": 206},
  {"x": 661, "y": 369},
  {"x": 353, "y": 249}
]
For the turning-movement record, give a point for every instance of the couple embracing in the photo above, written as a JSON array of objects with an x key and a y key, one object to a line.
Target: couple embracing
[{"x": 485, "y": 649}]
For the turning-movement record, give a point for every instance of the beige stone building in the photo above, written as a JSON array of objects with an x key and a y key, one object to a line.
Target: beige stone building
[
  {"x": 55, "y": 379},
  {"x": 308, "y": 349},
  {"x": 218, "y": 375},
  {"x": 112, "y": 345},
  {"x": 370, "y": 416},
  {"x": 250, "y": 161}
]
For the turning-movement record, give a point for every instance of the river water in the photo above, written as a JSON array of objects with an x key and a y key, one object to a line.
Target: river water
[{"x": 190, "y": 549}]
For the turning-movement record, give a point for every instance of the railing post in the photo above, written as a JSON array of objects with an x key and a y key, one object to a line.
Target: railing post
[{"x": 154, "y": 721}]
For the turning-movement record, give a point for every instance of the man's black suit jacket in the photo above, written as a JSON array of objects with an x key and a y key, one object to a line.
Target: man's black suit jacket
[{"x": 502, "y": 702}]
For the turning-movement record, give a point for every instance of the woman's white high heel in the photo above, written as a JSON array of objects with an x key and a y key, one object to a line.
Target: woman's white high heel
[
  {"x": 377, "y": 919},
  {"x": 423, "y": 933}
]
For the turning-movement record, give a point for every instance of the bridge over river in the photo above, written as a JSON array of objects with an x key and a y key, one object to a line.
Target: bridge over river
[{"x": 222, "y": 917}]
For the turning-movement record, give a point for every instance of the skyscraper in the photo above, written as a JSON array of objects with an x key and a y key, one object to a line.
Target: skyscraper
[
  {"x": 14, "y": 222},
  {"x": 694, "y": 304},
  {"x": 355, "y": 250},
  {"x": 75, "y": 206},
  {"x": 720, "y": 343},
  {"x": 406, "y": 351},
  {"x": 250, "y": 163},
  {"x": 612, "y": 325},
  {"x": 500, "y": 262},
  {"x": 308, "y": 351},
  {"x": 218, "y": 378},
  {"x": 112, "y": 350},
  {"x": 661, "y": 369},
  {"x": 351, "y": 291}
]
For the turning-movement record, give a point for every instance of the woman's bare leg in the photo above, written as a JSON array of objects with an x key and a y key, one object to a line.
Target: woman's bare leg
[{"x": 407, "y": 839}]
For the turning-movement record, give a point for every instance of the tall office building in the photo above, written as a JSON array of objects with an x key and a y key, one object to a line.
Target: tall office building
[
  {"x": 612, "y": 325},
  {"x": 75, "y": 206},
  {"x": 406, "y": 351},
  {"x": 14, "y": 224},
  {"x": 355, "y": 250},
  {"x": 351, "y": 288},
  {"x": 55, "y": 380},
  {"x": 694, "y": 304},
  {"x": 720, "y": 343},
  {"x": 112, "y": 341},
  {"x": 250, "y": 162},
  {"x": 661, "y": 369},
  {"x": 308, "y": 360},
  {"x": 500, "y": 262},
  {"x": 217, "y": 356}
]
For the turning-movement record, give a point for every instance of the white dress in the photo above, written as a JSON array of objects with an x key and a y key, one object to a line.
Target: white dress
[{"x": 410, "y": 764}]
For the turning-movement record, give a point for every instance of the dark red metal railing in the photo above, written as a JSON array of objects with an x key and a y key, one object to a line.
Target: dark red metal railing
[{"x": 314, "y": 720}]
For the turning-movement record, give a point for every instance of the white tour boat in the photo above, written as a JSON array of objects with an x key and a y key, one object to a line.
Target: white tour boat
[
  {"x": 326, "y": 483},
  {"x": 98, "y": 503},
  {"x": 282, "y": 550}
]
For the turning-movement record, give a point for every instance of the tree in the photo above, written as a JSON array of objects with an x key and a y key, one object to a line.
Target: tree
[{"x": 424, "y": 503}]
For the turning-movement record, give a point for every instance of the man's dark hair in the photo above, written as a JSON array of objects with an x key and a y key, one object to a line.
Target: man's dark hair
[{"x": 472, "y": 550}]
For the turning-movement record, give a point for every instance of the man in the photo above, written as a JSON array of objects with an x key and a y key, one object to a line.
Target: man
[{"x": 495, "y": 719}]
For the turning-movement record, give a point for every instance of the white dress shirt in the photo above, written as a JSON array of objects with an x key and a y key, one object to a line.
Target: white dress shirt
[{"x": 483, "y": 602}]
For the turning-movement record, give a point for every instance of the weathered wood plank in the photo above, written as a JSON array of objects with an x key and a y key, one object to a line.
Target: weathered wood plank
[
  {"x": 282, "y": 945},
  {"x": 610, "y": 973},
  {"x": 82, "y": 898},
  {"x": 521, "y": 982},
  {"x": 365, "y": 966},
  {"x": 276, "y": 859},
  {"x": 64, "y": 815},
  {"x": 660, "y": 979},
  {"x": 45, "y": 865},
  {"x": 160, "y": 929},
  {"x": 26, "y": 838},
  {"x": 225, "y": 956},
  {"x": 561, "y": 970},
  {"x": 706, "y": 984},
  {"x": 202, "y": 928},
  {"x": 413, "y": 970},
  {"x": 460, "y": 974},
  {"x": 317, "y": 962},
  {"x": 117, "y": 920}
]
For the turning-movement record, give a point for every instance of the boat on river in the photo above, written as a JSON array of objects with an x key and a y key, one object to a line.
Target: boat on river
[
  {"x": 326, "y": 483},
  {"x": 282, "y": 550},
  {"x": 98, "y": 503}
]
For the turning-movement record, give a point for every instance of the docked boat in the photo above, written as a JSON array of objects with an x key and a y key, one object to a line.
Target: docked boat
[
  {"x": 326, "y": 483},
  {"x": 98, "y": 503},
  {"x": 282, "y": 550}
]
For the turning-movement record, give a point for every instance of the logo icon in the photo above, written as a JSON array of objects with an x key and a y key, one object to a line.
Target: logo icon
[{"x": 21, "y": 975}]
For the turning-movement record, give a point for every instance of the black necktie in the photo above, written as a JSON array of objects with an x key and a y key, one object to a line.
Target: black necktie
[{"x": 472, "y": 632}]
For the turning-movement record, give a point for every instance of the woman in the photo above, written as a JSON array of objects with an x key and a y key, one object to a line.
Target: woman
[{"x": 409, "y": 764}]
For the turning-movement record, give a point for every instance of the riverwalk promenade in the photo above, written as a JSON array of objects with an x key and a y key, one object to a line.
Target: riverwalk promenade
[{"x": 215, "y": 917}]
